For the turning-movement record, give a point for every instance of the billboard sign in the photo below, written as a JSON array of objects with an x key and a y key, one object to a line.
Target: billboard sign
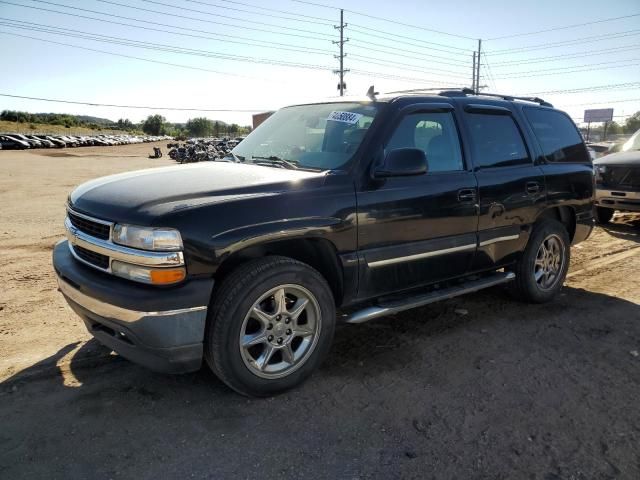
[{"x": 598, "y": 115}]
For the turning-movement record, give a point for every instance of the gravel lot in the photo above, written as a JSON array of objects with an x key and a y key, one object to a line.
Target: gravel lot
[{"x": 479, "y": 387}]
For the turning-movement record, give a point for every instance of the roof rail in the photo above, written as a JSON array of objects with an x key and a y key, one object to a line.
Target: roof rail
[
  {"x": 432, "y": 89},
  {"x": 513, "y": 97},
  {"x": 465, "y": 91}
]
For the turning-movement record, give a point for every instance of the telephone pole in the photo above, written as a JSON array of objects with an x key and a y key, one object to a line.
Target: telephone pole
[
  {"x": 341, "y": 86},
  {"x": 473, "y": 74},
  {"x": 478, "y": 62}
]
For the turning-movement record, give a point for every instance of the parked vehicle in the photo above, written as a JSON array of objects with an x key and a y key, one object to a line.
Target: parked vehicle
[
  {"x": 43, "y": 141},
  {"x": 369, "y": 207},
  {"x": 55, "y": 142},
  {"x": 10, "y": 142},
  {"x": 618, "y": 181},
  {"x": 32, "y": 143}
]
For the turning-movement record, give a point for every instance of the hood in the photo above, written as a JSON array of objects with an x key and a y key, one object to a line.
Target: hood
[
  {"x": 143, "y": 195},
  {"x": 631, "y": 157}
]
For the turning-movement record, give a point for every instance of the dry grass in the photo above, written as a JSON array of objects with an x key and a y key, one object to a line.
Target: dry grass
[{"x": 43, "y": 128}]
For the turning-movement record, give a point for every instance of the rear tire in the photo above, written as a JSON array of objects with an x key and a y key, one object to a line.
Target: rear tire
[
  {"x": 603, "y": 215},
  {"x": 271, "y": 325},
  {"x": 542, "y": 268}
]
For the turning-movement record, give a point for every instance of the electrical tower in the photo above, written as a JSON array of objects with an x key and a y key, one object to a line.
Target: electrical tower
[{"x": 341, "y": 86}]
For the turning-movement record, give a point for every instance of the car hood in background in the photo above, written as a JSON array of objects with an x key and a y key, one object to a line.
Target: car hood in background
[
  {"x": 146, "y": 194},
  {"x": 620, "y": 158}
]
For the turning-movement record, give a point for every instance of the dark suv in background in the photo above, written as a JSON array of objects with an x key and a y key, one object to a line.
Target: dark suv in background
[{"x": 367, "y": 206}]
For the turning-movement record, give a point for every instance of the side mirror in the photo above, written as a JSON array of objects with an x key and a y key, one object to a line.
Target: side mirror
[{"x": 403, "y": 162}]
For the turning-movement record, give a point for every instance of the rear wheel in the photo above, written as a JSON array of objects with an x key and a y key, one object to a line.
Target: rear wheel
[
  {"x": 272, "y": 325},
  {"x": 603, "y": 214},
  {"x": 541, "y": 271}
]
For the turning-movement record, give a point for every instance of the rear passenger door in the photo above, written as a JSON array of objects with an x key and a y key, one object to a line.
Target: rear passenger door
[{"x": 511, "y": 187}]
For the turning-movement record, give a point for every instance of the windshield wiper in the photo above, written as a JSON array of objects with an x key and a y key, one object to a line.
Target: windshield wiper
[
  {"x": 236, "y": 158},
  {"x": 276, "y": 161}
]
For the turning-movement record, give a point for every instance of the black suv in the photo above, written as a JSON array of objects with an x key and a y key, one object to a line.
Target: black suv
[{"x": 368, "y": 206}]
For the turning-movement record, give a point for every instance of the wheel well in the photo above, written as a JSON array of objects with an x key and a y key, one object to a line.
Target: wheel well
[
  {"x": 564, "y": 215},
  {"x": 318, "y": 253}
]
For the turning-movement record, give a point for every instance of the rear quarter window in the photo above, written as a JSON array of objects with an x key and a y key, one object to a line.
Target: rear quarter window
[{"x": 557, "y": 135}]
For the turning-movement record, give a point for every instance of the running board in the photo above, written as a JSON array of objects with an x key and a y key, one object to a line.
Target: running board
[{"x": 391, "y": 307}]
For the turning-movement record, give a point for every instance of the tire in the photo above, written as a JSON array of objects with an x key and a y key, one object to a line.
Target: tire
[
  {"x": 531, "y": 283},
  {"x": 245, "y": 312},
  {"x": 603, "y": 215}
]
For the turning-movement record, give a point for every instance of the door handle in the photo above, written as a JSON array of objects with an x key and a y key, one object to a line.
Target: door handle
[
  {"x": 533, "y": 188},
  {"x": 467, "y": 195}
]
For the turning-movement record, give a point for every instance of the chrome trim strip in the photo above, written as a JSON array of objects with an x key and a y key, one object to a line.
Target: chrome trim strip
[
  {"x": 418, "y": 256},
  {"x": 87, "y": 217},
  {"x": 119, "y": 252},
  {"x": 107, "y": 310},
  {"x": 499, "y": 239},
  {"x": 608, "y": 194}
]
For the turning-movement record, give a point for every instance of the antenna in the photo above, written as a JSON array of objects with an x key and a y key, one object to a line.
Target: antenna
[{"x": 371, "y": 93}]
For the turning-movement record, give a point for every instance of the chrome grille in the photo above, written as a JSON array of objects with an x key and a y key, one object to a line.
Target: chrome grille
[
  {"x": 88, "y": 226},
  {"x": 621, "y": 177}
]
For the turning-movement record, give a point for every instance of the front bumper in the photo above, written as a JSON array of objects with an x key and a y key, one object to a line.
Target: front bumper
[
  {"x": 160, "y": 328},
  {"x": 618, "y": 199}
]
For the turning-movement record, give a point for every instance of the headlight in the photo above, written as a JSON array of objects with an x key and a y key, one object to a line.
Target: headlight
[
  {"x": 147, "y": 238},
  {"x": 153, "y": 276},
  {"x": 599, "y": 170}
]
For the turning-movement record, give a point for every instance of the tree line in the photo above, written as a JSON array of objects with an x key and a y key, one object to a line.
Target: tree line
[{"x": 153, "y": 125}]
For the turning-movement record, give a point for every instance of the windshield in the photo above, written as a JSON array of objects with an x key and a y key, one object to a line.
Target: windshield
[
  {"x": 633, "y": 143},
  {"x": 323, "y": 136}
]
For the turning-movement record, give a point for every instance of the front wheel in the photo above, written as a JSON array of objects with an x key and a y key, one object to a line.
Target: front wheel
[
  {"x": 271, "y": 326},
  {"x": 541, "y": 271}
]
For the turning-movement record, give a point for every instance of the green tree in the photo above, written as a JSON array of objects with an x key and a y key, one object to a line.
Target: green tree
[
  {"x": 633, "y": 123},
  {"x": 216, "y": 128},
  {"x": 154, "y": 125},
  {"x": 200, "y": 127},
  {"x": 125, "y": 124}
]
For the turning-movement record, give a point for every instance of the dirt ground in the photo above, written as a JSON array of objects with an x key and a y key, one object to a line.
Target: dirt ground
[{"x": 479, "y": 387}]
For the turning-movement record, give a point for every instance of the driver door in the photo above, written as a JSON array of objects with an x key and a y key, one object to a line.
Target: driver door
[{"x": 417, "y": 230}]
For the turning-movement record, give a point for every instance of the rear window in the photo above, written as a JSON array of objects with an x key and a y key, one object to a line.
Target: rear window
[{"x": 557, "y": 135}]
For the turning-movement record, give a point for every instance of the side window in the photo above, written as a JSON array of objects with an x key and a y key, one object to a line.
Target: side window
[
  {"x": 433, "y": 132},
  {"x": 558, "y": 136},
  {"x": 496, "y": 141}
]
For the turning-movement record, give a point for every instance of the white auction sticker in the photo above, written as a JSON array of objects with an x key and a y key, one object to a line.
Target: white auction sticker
[{"x": 345, "y": 117}]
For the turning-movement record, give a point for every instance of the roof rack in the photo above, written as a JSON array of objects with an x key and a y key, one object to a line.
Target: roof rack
[
  {"x": 463, "y": 92},
  {"x": 468, "y": 91}
]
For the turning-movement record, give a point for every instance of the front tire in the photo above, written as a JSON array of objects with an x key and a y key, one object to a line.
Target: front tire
[
  {"x": 542, "y": 269},
  {"x": 271, "y": 325},
  {"x": 604, "y": 215}
]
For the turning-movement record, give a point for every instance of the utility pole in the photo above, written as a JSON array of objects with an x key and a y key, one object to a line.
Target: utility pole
[
  {"x": 342, "y": 71},
  {"x": 473, "y": 75},
  {"x": 478, "y": 62}
]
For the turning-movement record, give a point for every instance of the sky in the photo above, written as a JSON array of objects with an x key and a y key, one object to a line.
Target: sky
[{"x": 252, "y": 55}]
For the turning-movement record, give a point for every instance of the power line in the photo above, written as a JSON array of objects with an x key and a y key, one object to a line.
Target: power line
[
  {"x": 93, "y": 104},
  {"x": 568, "y": 55},
  {"x": 424, "y": 81},
  {"x": 564, "y": 27},
  {"x": 422, "y": 57},
  {"x": 165, "y": 47},
  {"x": 611, "y": 86},
  {"x": 174, "y": 15},
  {"x": 604, "y": 103},
  {"x": 189, "y": 67},
  {"x": 394, "y": 38},
  {"x": 565, "y": 43},
  {"x": 418, "y": 27},
  {"x": 276, "y": 10},
  {"x": 428, "y": 48},
  {"x": 324, "y": 22},
  {"x": 572, "y": 71},
  {"x": 182, "y": 7},
  {"x": 406, "y": 66},
  {"x": 509, "y": 75},
  {"x": 272, "y": 45}
]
